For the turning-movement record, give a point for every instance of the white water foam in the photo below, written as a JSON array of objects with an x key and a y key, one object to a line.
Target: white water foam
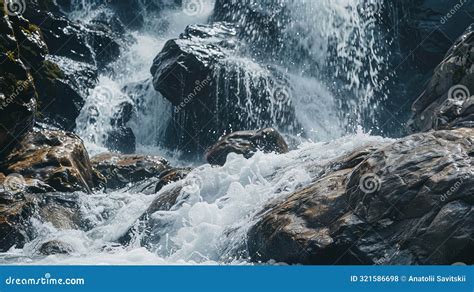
[
  {"x": 133, "y": 69},
  {"x": 207, "y": 225}
]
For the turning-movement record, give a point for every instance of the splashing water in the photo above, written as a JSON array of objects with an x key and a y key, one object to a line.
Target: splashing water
[
  {"x": 325, "y": 41},
  {"x": 207, "y": 225}
]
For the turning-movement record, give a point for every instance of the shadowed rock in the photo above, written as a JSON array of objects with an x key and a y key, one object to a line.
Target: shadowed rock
[
  {"x": 17, "y": 210},
  {"x": 121, "y": 170},
  {"x": 448, "y": 100},
  {"x": 214, "y": 90},
  {"x": 55, "y": 247},
  {"x": 17, "y": 90},
  {"x": 246, "y": 143}
]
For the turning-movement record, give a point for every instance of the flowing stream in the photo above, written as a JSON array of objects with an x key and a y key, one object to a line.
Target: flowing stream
[{"x": 209, "y": 225}]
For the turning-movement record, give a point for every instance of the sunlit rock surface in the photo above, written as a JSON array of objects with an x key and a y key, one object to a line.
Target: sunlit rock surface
[
  {"x": 57, "y": 158},
  {"x": 409, "y": 202}
]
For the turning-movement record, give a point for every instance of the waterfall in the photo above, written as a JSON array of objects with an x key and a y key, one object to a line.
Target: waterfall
[
  {"x": 330, "y": 52},
  {"x": 329, "y": 48}
]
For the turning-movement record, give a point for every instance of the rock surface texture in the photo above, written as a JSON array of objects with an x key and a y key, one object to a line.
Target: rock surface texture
[
  {"x": 121, "y": 170},
  {"x": 448, "y": 100},
  {"x": 57, "y": 158},
  {"x": 214, "y": 91},
  {"x": 410, "y": 202},
  {"x": 246, "y": 143}
]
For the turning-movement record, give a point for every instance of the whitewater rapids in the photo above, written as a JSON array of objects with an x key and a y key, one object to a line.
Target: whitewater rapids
[{"x": 206, "y": 226}]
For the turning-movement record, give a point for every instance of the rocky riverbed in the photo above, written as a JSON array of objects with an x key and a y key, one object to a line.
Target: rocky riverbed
[{"x": 228, "y": 133}]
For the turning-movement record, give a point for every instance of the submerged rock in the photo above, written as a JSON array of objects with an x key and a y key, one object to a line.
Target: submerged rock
[
  {"x": 57, "y": 158},
  {"x": 121, "y": 170},
  {"x": 121, "y": 137},
  {"x": 409, "y": 202},
  {"x": 148, "y": 229},
  {"x": 17, "y": 210},
  {"x": 55, "y": 247},
  {"x": 215, "y": 91},
  {"x": 448, "y": 100},
  {"x": 246, "y": 143},
  {"x": 170, "y": 176}
]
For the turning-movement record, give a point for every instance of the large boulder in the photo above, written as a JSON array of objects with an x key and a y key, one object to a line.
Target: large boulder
[
  {"x": 62, "y": 86},
  {"x": 57, "y": 158},
  {"x": 90, "y": 44},
  {"x": 17, "y": 90},
  {"x": 408, "y": 202},
  {"x": 17, "y": 210},
  {"x": 246, "y": 143},
  {"x": 448, "y": 100},
  {"x": 121, "y": 170},
  {"x": 215, "y": 91}
]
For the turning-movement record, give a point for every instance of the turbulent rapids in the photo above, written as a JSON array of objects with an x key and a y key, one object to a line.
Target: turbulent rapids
[{"x": 165, "y": 80}]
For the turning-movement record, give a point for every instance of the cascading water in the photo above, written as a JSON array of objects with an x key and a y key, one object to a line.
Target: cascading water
[{"x": 208, "y": 224}]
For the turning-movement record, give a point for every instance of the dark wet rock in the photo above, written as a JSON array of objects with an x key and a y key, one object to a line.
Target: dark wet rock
[
  {"x": 133, "y": 13},
  {"x": 121, "y": 170},
  {"x": 264, "y": 24},
  {"x": 30, "y": 40},
  {"x": 55, "y": 247},
  {"x": 123, "y": 115},
  {"x": 408, "y": 202},
  {"x": 16, "y": 212},
  {"x": 121, "y": 139},
  {"x": 246, "y": 143},
  {"x": 105, "y": 47},
  {"x": 59, "y": 100},
  {"x": 57, "y": 158},
  {"x": 148, "y": 228},
  {"x": 112, "y": 22},
  {"x": 426, "y": 29},
  {"x": 93, "y": 44},
  {"x": 15, "y": 183},
  {"x": 62, "y": 92},
  {"x": 170, "y": 176},
  {"x": 448, "y": 100},
  {"x": 17, "y": 91},
  {"x": 214, "y": 91}
]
